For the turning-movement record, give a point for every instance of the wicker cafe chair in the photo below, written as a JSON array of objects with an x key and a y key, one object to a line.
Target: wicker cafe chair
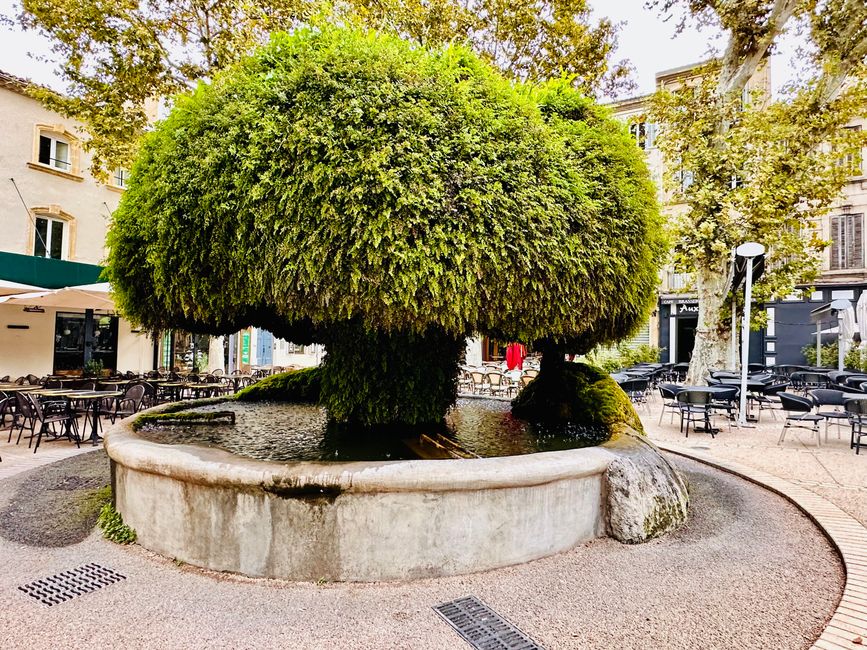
[
  {"x": 480, "y": 385},
  {"x": 497, "y": 383},
  {"x": 799, "y": 415}
]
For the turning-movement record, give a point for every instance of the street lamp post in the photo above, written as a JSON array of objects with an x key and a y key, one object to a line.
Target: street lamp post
[{"x": 749, "y": 251}]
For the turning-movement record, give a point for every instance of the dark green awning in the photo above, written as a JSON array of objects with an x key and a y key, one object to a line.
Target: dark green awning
[{"x": 48, "y": 273}]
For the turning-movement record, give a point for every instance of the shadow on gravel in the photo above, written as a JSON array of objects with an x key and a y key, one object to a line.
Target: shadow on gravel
[{"x": 55, "y": 505}]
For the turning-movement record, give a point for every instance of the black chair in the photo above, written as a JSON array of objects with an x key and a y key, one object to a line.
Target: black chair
[
  {"x": 726, "y": 400},
  {"x": 799, "y": 414},
  {"x": 669, "y": 392},
  {"x": 129, "y": 404},
  {"x": 833, "y": 398},
  {"x": 35, "y": 413},
  {"x": 636, "y": 390},
  {"x": 679, "y": 371},
  {"x": 768, "y": 399},
  {"x": 856, "y": 409},
  {"x": 694, "y": 405}
]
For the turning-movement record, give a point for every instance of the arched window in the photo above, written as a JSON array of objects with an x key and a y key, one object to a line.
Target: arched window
[
  {"x": 56, "y": 150},
  {"x": 52, "y": 232}
]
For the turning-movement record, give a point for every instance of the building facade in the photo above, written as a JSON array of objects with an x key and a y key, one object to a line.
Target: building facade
[
  {"x": 789, "y": 329},
  {"x": 53, "y": 220}
]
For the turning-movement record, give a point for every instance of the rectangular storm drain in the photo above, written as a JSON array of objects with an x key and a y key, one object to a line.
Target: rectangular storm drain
[
  {"x": 482, "y": 627},
  {"x": 69, "y": 584}
]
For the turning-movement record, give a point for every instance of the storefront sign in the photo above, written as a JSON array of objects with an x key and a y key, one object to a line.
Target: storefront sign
[
  {"x": 245, "y": 347},
  {"x": 687, "y": 308}
]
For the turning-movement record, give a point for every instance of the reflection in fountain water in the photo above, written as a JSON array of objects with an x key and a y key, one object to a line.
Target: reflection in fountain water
[{"x": 282, "y": 432}]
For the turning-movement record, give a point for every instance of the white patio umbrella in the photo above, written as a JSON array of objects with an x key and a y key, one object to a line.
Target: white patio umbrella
[
  {"x": 847, "y": 317},
  {"x": 8, "y": 288},
  {"x": 861, "y": 315},
  {"x": 84, "y": 296},
  {"x": 848, "y": 327}
]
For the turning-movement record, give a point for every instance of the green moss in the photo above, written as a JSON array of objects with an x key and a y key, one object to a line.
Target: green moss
[
  {"x": 113, "y": 528},
  {"x": 186, "y": 417},
  {"x": 293, "y": 386},
  {"x": 581, "y": 393}
]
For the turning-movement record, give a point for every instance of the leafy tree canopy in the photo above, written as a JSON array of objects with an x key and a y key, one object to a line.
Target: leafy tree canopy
[
  {"x": 342, "y": 175},
  {"x": 116, "y": 56},
  {"x": 745, "y": 166}
]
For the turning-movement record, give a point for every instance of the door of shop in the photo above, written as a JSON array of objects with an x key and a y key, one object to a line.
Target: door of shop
[{"x": 686, "y": 326}]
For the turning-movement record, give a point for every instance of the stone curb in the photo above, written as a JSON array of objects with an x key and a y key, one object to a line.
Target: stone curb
[{"x": 846, "y": 534}]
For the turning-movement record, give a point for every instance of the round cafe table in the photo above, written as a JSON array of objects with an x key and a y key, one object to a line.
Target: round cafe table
[{"x": 92, "y": 400}]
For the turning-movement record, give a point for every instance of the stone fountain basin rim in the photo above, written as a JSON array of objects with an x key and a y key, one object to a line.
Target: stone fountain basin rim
[{"x": 218, "y": 467}]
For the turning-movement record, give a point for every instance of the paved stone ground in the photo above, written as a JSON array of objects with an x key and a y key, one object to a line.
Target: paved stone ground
[
  {"x": 747, "y": 571},
  {"x": 15, "y": 459},
  {"x": 832, "y": 471}
]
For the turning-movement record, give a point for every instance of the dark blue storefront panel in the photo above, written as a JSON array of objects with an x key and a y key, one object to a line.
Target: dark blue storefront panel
[{"x": 793, "y": 330}]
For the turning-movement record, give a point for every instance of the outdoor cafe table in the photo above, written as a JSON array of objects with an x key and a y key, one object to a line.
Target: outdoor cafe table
[
  {"x": 16, "y": 388},
  {"x": 92, "y": 399},
  {"x": 200, "y": 388},
  {"x": 235, "y": 379}
]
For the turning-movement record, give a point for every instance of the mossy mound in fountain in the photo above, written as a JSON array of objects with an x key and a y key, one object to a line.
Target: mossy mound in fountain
[
  {"x": 580, "y": 393},
  {"x": 293, "y": 386}
]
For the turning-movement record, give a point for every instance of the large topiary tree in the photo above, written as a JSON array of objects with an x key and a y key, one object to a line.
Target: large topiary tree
[{"x": 346, "y": 187}]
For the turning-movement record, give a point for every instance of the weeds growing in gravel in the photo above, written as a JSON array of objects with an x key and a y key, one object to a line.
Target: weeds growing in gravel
[{"x": 113, "y": 528}]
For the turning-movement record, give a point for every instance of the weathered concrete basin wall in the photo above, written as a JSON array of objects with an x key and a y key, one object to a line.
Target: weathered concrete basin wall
[{"x": 359, "y": 521}]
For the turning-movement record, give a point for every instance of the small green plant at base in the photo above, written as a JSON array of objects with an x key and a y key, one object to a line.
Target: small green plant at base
[
  {"x": 93, "y": 368},
  {"x": 113, "y": 528}
]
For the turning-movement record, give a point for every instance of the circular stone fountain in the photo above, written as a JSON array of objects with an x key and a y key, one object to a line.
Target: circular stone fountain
[
  {"x": 353, "y": 189},
  {"x": 384, "y": 520}
]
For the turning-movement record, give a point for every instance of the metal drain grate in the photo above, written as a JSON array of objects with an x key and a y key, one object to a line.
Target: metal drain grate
[
  {"x": 482, "y": 627},
  {"x": 69, "y": 584}
]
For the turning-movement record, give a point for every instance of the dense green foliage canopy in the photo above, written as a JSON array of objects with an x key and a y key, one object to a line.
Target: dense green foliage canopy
[
  {"x": 343, "y": 175},
  {"x": 116, "y": 57}
]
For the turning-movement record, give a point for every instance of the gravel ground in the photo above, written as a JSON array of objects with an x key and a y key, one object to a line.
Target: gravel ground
[
  {"x": 748, "y": 571},
  {"x": 56, "y": 505}
]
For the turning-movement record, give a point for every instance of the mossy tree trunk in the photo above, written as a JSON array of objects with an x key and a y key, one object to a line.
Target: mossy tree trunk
[{"x": 377, "y": 379}]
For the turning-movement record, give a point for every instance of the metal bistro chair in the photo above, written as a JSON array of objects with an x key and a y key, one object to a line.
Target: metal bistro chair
[
  {"x": 768, "y": 399},
  {"x": 799, "y": 410},
  {"x": 669, "y": 392},
  {"x": 694, "y": 405},
  {"x": 856, "y": 409},
  {"x": 41, "y": 415},
  {"x": 833, "y": 398},
  {"x": 726, "y": 399},
  {"x": 636, "y": 390},
  {"x": 129, "y": 404}
]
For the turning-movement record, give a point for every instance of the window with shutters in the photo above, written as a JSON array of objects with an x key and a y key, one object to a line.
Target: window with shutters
[{"x": 847, "y": 247}]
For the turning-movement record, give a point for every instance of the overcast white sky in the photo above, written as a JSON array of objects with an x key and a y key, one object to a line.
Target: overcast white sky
[{"x": 645, "y": 40}]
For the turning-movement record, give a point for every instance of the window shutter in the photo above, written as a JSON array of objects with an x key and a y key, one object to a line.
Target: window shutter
[
  {"x": 44, "y": 150},
  {"x": 856, "y": 258},
  {"x": 847, "y": 246}
]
